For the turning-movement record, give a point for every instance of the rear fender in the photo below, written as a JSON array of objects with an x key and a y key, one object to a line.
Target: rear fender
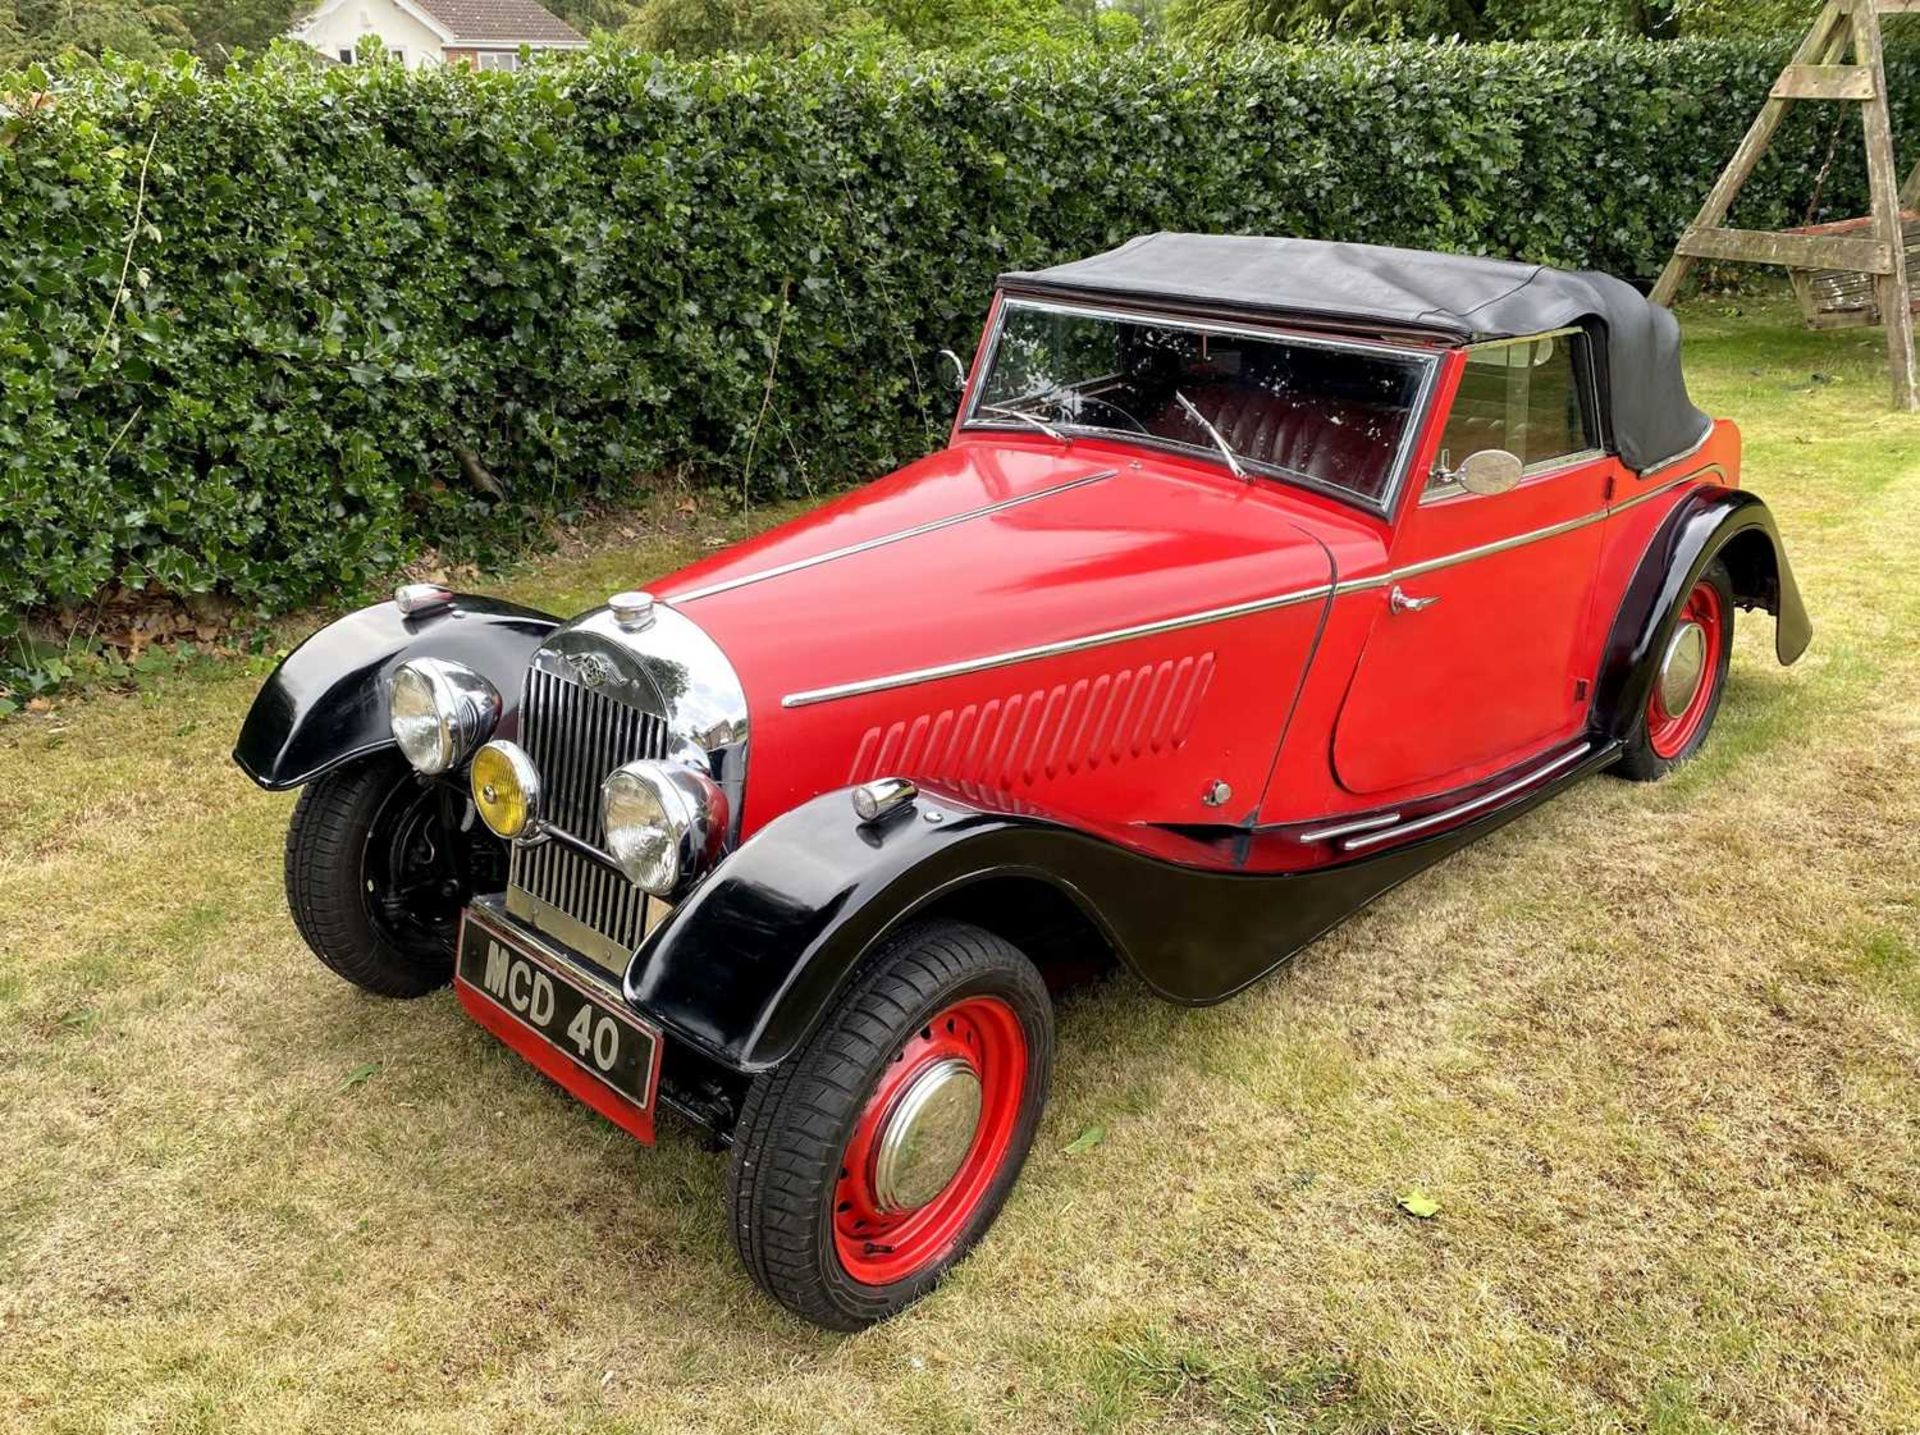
[
  {"x": 326, "y": 703},
  {"x": 1725, "y": 523}
]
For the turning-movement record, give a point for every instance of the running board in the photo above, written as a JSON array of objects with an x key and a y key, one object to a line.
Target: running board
[{"x": 1453, "y": 814}]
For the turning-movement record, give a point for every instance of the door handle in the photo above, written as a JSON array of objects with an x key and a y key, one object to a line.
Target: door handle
[{"x": 1401, "y": 603}]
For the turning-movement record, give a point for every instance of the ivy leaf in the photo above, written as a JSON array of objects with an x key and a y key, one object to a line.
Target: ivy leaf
[
  {"x": 1417, "y": 1203},
  {"x": 361, "y": 1075},
  {"x": 1086, "y": 1141}
]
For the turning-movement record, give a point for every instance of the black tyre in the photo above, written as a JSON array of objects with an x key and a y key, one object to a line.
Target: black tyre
[
  {"x": 378, "y": 866},
  {"x": 871, "y": 1160},
  {"x": 1689, "y": 678}
]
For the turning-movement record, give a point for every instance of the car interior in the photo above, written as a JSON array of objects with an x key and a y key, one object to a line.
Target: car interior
[{"x": 1334, "y": 416}]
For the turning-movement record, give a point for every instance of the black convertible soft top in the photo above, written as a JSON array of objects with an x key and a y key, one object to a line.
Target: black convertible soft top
[{"x": 1451, "y": 296}]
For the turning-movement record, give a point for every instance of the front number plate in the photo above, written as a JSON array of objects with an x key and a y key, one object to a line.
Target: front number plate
[{"x": 532, "y": 989}]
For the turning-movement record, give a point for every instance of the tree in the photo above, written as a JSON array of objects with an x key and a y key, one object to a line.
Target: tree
[
  {"x": 219, "y": 27},
  {"x": 1225, "y": 20},
  {"x": 1742, "y": 17},
  {"x": 39, "y": 29},
  {"x": 705, "y": 27},
  {"x": 591, "y": 17},
  {"x": 139, "y": 29}
]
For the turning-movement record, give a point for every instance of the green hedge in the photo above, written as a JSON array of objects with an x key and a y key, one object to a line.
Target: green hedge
[{"x": 581, "y": 274}]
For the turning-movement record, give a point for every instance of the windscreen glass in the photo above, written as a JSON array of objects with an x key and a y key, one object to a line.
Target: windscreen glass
[{"x": 1323, "y": 414}]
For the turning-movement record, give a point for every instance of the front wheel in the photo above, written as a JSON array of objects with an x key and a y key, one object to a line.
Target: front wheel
[
  {"x": 379, "y": 866},
  {"x": 871, "y": 1160},
  {"x": 1688, "y": 682}
]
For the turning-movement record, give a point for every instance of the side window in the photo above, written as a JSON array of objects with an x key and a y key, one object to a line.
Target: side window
[{"x": 1531, "y": 397}]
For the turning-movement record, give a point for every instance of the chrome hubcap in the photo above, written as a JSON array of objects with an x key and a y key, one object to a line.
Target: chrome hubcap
[
  {"x": 927, "y": 1136},
  {"x": 1684, "y": 666}
]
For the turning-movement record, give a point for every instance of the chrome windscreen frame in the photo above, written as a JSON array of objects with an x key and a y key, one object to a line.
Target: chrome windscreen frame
[{"x": 1426, "y": 357}]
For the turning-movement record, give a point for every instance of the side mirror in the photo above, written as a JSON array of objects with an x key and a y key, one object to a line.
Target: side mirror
[
  {"x": 1490, "y": 471},
  {"x": 959, "y": 369}
]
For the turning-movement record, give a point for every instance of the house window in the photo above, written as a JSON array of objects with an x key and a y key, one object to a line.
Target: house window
[
  {"x": 508, "y": 60},
  {"x": 1532, "y": 397},
  {"x": 399, "y": 54},
  {"x": 346, "y": 54}
]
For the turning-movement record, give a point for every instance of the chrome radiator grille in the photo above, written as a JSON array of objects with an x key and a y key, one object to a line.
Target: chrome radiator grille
[{"x": 575, "y": 737}]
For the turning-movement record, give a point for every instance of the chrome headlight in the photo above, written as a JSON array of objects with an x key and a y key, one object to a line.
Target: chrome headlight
[
  {"x": 664, "y": 823},
  {"x": 440, "y": 711}
]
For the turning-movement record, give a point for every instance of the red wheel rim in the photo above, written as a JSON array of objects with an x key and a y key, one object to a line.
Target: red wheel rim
[
  {"x": 1669, "y": 732},
  {"x": 879, "y": 1244}
]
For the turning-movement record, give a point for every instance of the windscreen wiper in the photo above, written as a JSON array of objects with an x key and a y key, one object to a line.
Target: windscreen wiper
[
  {"x": 1226, "y": 449},
  {"x": 1026, "y": 418}
]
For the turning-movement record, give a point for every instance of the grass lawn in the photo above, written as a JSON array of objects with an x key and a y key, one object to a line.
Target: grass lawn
[{"x": 1655, "y": 1051}]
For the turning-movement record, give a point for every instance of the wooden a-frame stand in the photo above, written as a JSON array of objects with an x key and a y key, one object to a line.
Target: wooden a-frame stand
[{"x": 1876, "y": 250}]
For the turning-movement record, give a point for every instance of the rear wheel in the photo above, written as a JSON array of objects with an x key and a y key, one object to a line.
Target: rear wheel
[
  {"x": 378, "y": 867},
  {"x": 870, "y": 1161},
  {"x": 1688, "y": 682}
]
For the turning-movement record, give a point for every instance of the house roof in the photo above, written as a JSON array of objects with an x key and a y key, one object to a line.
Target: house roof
[
  {"x": 1459, "y": 297},
  {"x": 517, "y": 21},
  {"x": 490, "y": 24}
]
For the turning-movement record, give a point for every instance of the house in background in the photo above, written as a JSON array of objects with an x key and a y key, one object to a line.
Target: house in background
[{"x": 486, "y": 34}]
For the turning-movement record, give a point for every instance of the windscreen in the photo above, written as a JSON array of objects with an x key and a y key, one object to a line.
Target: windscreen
[{"x": 1328, "y": 415}]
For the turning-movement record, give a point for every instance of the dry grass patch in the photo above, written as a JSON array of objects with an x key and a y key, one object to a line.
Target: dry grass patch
[{"x": 1656, "y": 1053}]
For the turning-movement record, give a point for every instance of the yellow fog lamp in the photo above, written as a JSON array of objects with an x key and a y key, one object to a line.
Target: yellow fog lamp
[{"x": 506, "y": 789}]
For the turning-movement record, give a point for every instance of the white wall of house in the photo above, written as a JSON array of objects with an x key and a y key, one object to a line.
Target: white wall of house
[{"x": 339, "y": 29}]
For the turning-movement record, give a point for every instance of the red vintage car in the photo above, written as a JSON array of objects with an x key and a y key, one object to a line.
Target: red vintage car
[{"x": 1258, "y": 574}]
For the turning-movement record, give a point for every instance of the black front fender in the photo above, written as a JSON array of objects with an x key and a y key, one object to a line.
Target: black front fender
[
  {"x": 747, "y": 962},
  {"x": 1730, "y": 524},
  {"x": 327, "y": 701}
]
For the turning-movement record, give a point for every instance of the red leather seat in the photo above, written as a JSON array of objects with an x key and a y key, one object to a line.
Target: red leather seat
[{"x": 1343, "y": 441}]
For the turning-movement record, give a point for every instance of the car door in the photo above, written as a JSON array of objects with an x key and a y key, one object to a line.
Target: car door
[{"x": 1470, "y": 664}]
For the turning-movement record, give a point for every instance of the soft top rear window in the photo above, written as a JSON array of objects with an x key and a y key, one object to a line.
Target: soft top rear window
[{"x": 1328, "y": 415}]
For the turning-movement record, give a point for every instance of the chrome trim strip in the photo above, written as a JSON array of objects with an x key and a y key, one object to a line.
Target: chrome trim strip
[
  {"x": 933, "y": 526},
  {"x": 1214, "y": 615},
  {"x": 1661, "y": 488},
  {"x": 1341, "y": 829},
  {"x": 1681, "y": 457},
  {"x": 1519, "y": 540},
  {"x": 1437, "y": 819},
  {"x": 1499, "y": 545},
  {"x": 1048, "y": 650}
]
